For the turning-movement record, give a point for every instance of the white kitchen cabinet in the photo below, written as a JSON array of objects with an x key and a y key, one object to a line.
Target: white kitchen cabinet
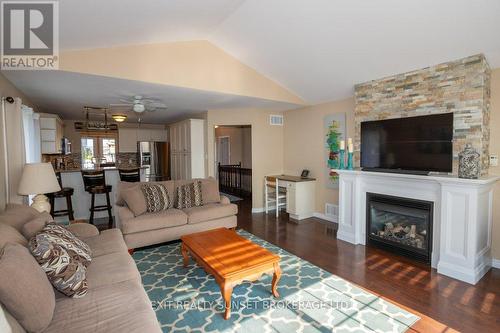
[
  {"x": 187, "y": 142},
  {"x": 152, "y": 134},
  {"x": 127, "y": 140},
  {"x": 51, "y": 133},
  {"x": 48, "y": 135},
  {"x": 128, "y": 137},
  {"x": 159, "y": 135}
]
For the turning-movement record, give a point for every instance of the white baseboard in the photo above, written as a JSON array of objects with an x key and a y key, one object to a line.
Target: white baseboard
[
  {"x": 495, "y": 263},
  {"x": 346, "y": 237},
  {"x": 322, "y": 216},
  {"x": 325, "y": 217},
  {"x": 465, "y": 274}
]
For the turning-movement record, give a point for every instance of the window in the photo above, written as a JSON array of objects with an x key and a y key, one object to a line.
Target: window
[
  {"x": 88, "y": 152},
  {"x": 108, "y": 149},
  {"x": 98, "y": 149}
]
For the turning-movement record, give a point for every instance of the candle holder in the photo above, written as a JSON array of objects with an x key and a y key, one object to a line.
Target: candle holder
[
  {"x": 350, "y": 165},
  {"x": 342, "y": 159}
]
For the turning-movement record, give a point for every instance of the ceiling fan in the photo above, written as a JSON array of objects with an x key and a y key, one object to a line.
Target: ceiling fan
[{"x": 139, "y": 104}]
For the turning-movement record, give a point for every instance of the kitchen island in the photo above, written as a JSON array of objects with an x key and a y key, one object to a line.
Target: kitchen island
[{"x": 81, "y": 199}]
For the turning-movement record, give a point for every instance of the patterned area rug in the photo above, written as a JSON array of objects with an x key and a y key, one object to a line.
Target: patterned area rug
[{"x": 311, "y": 299}]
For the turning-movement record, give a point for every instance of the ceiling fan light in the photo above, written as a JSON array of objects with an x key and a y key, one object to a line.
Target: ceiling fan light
[
  {"x": 119, "y": 118},
  {"x": 138, "y": 108}
]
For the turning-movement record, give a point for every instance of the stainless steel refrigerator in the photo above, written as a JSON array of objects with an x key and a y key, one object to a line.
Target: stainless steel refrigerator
[{"x": 155, "y": 156}]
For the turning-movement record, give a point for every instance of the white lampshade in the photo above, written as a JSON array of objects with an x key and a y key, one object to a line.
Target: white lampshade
[{"x": 38, "y": 178}]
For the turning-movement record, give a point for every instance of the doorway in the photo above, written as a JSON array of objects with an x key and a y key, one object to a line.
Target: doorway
[{"x": 233, "y": 160}]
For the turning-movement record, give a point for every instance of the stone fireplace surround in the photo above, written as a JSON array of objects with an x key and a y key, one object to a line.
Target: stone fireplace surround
[
  {"x": 462, "y": 219},
  {"x": 461, "y": 86},
  {"x": 462, "y": 208}
]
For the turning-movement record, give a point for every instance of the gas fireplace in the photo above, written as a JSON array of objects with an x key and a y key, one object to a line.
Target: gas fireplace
[{"x": 401, "y": 225}]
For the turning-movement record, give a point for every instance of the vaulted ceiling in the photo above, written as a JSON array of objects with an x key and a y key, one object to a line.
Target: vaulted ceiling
[{"x": 316, "y": 49}]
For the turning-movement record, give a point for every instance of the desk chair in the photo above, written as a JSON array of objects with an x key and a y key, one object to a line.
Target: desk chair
[{"x": 274, "y": 193}]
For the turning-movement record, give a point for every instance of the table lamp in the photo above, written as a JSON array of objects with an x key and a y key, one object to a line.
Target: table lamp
[{"x": 38, "y": 178}]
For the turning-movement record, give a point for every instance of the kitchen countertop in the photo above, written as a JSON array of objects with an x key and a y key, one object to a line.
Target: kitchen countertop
[{"x": 95, "y": 169}]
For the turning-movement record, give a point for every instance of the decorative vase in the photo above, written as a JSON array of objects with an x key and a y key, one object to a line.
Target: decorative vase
[
  {"x": 350, "y": 165},
  {"x": 342, "y": 159},
  {"x": 469, "y": 163}
]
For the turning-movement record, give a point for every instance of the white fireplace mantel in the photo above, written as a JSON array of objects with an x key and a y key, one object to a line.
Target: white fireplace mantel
[{"x": 461, "y": 242}]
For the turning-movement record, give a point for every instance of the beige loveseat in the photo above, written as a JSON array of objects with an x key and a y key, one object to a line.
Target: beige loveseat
[
  {"x": 116, "y": 300},
  {"x": 154, "y": 228}
]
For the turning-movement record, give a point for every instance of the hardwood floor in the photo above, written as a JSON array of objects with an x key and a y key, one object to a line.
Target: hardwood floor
[{"x": 444, "y": 304}]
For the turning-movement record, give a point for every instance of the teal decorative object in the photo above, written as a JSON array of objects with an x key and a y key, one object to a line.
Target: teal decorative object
[
  {"x": 350, "y": 165},
  {"x": 342, "y": 159},
  {"x": 188, "y": 299}
]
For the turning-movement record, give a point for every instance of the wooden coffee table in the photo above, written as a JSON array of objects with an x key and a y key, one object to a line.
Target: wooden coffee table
[{"x": 231, "y": 259}]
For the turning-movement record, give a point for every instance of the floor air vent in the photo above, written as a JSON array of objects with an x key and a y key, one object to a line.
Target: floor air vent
[{"x": 332, "y": 211}]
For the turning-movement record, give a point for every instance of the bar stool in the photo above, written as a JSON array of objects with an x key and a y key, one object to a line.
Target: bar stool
[
  {"x": 130, "y": 175},
  {"x": 65, "y": 192},
  {"x": 95, "y": 183}
]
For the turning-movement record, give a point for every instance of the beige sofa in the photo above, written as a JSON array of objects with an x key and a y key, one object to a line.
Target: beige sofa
[
  {"x": 116, "y": 300},
  {"x": 154, "y": 228}
]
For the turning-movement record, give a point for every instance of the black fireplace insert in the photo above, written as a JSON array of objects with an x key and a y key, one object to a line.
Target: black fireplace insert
[{"x": 401, "y": 225}]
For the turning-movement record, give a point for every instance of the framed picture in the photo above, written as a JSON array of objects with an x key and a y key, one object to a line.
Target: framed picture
[{"x": 335, "y": 130}]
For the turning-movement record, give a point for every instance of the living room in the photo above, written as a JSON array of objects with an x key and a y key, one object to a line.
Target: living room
[{"x": 245, "y": 166}]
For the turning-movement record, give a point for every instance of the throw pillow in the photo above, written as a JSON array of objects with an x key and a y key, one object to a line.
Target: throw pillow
[
  {"x": 24, "y": 289},
  {"x": 210, "y": 190},
  {"x": 189, "y": 195},
  {"x": 135, "y": 200},
  {"x": 120, "y": 187},
  {"x": 17, "y": 215},
  {"x": 32, "y": 227},
  {"x": 64, "y": 269},
  {"x": 157, "y": 197},
  {"x": 67, "y": 240}
]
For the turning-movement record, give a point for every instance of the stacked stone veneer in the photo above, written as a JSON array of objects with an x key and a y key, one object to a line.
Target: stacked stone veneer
[{"x": 461, "y": 87}]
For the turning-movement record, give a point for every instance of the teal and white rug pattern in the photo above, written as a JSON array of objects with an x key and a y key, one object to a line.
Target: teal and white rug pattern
[{"x": 311, "y": 299}]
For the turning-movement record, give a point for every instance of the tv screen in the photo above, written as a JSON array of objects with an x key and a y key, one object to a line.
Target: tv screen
[{"x": 423, "y": 143}]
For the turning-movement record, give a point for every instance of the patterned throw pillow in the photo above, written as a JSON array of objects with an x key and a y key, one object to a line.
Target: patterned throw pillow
[
  {"x": 189, "y": 195},
  {"x": 67, "y": 240},
  {"x": 64, "y": 269},
  {"x": 157, "y": 197}
]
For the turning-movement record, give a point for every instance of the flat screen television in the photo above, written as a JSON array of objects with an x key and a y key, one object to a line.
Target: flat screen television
[{"x": 410, "y": 145}]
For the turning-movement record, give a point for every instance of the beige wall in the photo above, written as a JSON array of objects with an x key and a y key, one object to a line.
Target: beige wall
[
  {"x": 240, "y": 146},
  {"x": 305, "y": 148},
  {"x": 267, "y": 145},
  {"x": 14, "y": 140},
  {"x": 191, "y": 64},
  {"x": 495, "y": 150}
]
